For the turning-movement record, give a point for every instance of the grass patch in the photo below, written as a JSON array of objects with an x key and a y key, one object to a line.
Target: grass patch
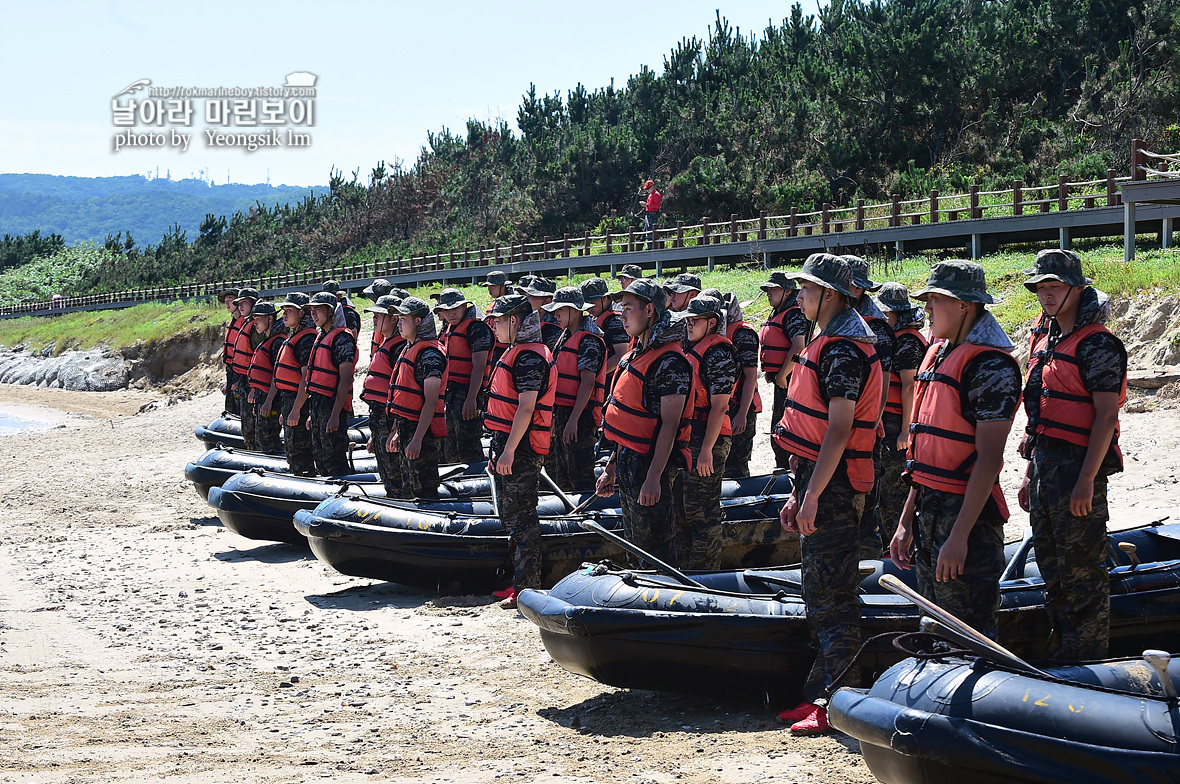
[{"x": 112, "y": 328}]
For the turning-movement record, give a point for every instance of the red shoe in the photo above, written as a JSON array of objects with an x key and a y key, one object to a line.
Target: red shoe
[
  {"x": 507, "y": 593},
  {"x": 815, "y": 724},
  {"x": 798, "y": 713},
  {"x": 508, "y": 604}
]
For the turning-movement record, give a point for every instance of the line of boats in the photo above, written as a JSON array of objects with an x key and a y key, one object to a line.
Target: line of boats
[{"x": 932, "y": 715}]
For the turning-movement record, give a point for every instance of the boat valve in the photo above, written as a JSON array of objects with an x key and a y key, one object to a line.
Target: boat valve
[
  {"x": 1159, "y": 662},
  {"x": 1131, "y": 550}
]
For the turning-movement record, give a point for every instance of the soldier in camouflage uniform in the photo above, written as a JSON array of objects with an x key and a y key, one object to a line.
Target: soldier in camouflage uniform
[
  {"x": 267, "y": 425},
  {"x": 716, "y": 365},
  {"x": 835, "y": 384},
  {"x": 231, "y": 335},
  {"x": 570, "y": 462},
  {"x": 1076, "y": 384},
  {"x": 907, "y": 322},
  {"x": 467, "y": 341},
  {"x": 781, "y": 338},
  {"x": 680, "y": 289},
  {"x": 380, "y": 375},
  {"x": 628, "y": 274},
  {"x": 333, "y": 360},
  {"x": 966, "y": 397},
  {"x": 644, "y": 418},
  {"x": 247, "y": 340},
  {"x": 540, "y": 292},
  {"x": 519, "y": 414},
  {"x": 746, "y": 400},
  {"x": 416, "y": 422},
  {"x": 293, "y": 406}
]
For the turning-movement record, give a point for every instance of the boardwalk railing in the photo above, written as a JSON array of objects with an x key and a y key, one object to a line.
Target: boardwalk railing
[{"x": 710, "y": 236}]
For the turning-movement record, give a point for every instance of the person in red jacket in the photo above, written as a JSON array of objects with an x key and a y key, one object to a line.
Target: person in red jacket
[
  {"x": 329, "y": 384},
  {"x": 520, "y": 418},
  {"x": 467, "y": 342},
  {"x": 1076, "y": 384},
  {"x": 246, "y": 340},
  {"x": 375, "y": 392},
  {"x": 236, "y": 321},
  {"x": 597, "y": 296},
  {"x": 829, "y": 427},
  {"x": 653, "y": 200},
  {"x": 415, "y": 400},
  {"x": 580, "y": 361},
  {"x": 645, "y": 419},
  {"x": 967, "y": 392},
  {"x": 291, "y": 374},
  {"x": 263, "y": 389},
  {"x": 781, "y": 339}
]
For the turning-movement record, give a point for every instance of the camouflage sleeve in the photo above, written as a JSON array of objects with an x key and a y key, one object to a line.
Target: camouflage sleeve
[
  {"x": 344, "y": 348},
  {"x": 720, "y": 369},
  {"x": 352, "y": 319},
  {"x": 303, "y": 349},
  {"x": 795, "y": 324},
  {"x": 550, "y": 335},
  {"x": 669, "y": 375},
  {"x": 1102, "y": 361},
  {"x": 843, "y": 370},
  {"x": 991, "y": 387},
  {"x": 530, "y": 372},
  {"x": 885, "y": 343},
  {"x": 745, "y": 341},
  {"x": 615, "y": 334},
  {"x": 908, "y": 353},
  {"x": 431, "y": 362},
  {"x": 591, "y": 353},
  {"x": 480, "y": 338}
]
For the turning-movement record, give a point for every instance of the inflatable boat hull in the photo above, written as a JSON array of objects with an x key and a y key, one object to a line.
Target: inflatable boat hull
[
  {"x": 226, "y": 431},
  {"x": 217, "y": 465}
]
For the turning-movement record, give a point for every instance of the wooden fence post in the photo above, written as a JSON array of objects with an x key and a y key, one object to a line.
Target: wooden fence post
[
  {"x": 1017, "y": 197},
  {"x": 608, "y": 248},
  {"x": 565, "y": 245},
  {"x": 860, "y": 214},
  {"x": 824, "y": 217},
  {"x": 934, "y": 206},
  {"x": 1112, "y": 195},
  {"x": 1138, "y": 160},
  {"x": 679, "y": 235},
  {"x": 762, "y": 224},
  {"x": 586, "y": 244},
  {"x": 1062, "y": 193},
  {"x": 975, "y": 211},
  {"x": 733, "y": 227},
  {"x": 895, "y": 213},
  {"x": 630, "y": 239},
  {"x": 704, "y": 240},
  {"x": 794, "y": 230}
]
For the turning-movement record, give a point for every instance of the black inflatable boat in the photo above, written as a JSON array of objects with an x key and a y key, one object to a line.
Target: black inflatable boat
[
  {"x": 971, "y": 721},
  {"x": 226, "y": 431},
  {"x": 454, "y": 552},
  {"x": 217, "y": 465},
  {"x": 746, "y": 631}
]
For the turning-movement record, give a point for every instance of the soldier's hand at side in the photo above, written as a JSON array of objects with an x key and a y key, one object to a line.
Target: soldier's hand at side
[
  {"x": 649, "y": 494},
  {"x": 705, "y": 464},
  {"x": 903, "y": 442},
  {"x": 569, "y": 434},
  {"x": 223, "y": 389},
  {"x": 369, "y": 445},
  {"x": 739, "y": 426},
  {"x": 782, "y": 380},
  {"x": 470, "y": 407},
  {"x": 787, "y": 514},
  {"x": 504, "y": 461},
  {"x": 1023, "y": 494},
  {"x": 250, "y": 397},
  {"x": 605, "y": 486},
  {"x": 391, "y": 445},
  {"x": 951, "y": 557},
  {"x": 332, "y": 423},
  {"x": 899, "y": 548},
  {"x": 414, "y": 448},
  {"x": 1081, "y": 500},
  {"x": 805, "y": 518},
  {"x": 293, "y": 419}
]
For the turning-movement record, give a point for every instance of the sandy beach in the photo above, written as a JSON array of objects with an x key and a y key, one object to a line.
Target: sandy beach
[{"x": 141, "y": 641}]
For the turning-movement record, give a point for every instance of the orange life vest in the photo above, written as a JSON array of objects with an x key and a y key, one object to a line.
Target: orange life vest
[
  {"x": 262, "y": 365},
  {"x": 1067, "y": 407},
  {"x": 805, "y": 418},
  {"x": 380, "y": 376},
  {"x": 325, "y": 374},
  {"x": 231, "y": 339},
  {"x": 942, "y": 445},
  {"x": 406, "y": 398},
  {"x": 569, "y": 378},
  {"x": 456, "y": 344},
  {"x": 775, "y": 345},
  {"x": 893, "y": 402},
  {"x": 626, "y": 421},
  {"x": 288, "y": 372},
  {"x": 699, "y": 402},
  {"x": 756, "y": 405},
  {"x": 504, "y": 400},
  {"x": 243, "y": 349}
]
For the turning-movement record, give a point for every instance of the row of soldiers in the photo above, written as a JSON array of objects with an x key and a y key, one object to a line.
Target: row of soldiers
[{"x": 894, "y": 431}]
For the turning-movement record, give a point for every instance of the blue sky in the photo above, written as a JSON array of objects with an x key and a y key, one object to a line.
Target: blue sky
[{"x": 387, "y": 72}]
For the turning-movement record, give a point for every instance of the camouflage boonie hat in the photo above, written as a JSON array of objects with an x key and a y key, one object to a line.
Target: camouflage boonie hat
[
  {"x": 567, "y": 297},
  {"x": 894, "y": 298},
  {"x": 247, "y": 294},
  {"x": 647, "y": 291},
  {"x": 378, "y": 288},
  {"x": 537, "y": 287},
  {"x": 331, "y": 286},
  {"x": 957, "y": 279},
  {"x": 824, "y": 269},
  {"x": 223, "y": 293},
  {"x": 633, "y": 271},
  {"x": 399, "y": 293},
  {"x": 296, "y": 299},
  {"x": 264, "y": 309},
  {"x": 701, "y": 305},
  {"x": 509, "y": 305},
  {"x": 779, "y": 280},
  {"x": 860, "y": 273},
  {"x": 384, "y": 304},
  {"x": 1054, "y": 264},
  {"x": 495, "y": 278},
  {"x": 682, "y": 283},
  {"x": 451, "y": 298},
  {"x": 322, "y": 298},
  {"x": 594, "y": 289},
  {"x": 413, "y": 306}
]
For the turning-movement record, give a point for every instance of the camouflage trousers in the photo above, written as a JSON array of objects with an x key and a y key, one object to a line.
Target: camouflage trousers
[
  {"x": 297, "y": 439},
  {"x": 782, "y": 458},
  {"x": 742, "y": 444},
  {"x": 831, "y": 579},
  {"x": 329, "y": 450},
  {"x": 975, "y": 596},
  {"x": 419, "y": 475},
  {"x": 246, "y": 414},
  {"x": 266, "y": 428},
  {"x": 571, "y": 466},
  {"x": 697, "y": 509},
  {"x": 389, "y": 466},
  {"x": 462, "y": 443},
  {"x": 517, "y": 496},
  {"x": 231, "y": 397},
  {"x": 892, "y": 488},
  {"x": 1070, "y": 553},
  {"x": 649, "y": 527},
  {"x": 871, "y": 545}
]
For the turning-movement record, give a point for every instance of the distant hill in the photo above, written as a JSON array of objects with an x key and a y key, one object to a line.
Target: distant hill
[{"x": 90, "y": 208}]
